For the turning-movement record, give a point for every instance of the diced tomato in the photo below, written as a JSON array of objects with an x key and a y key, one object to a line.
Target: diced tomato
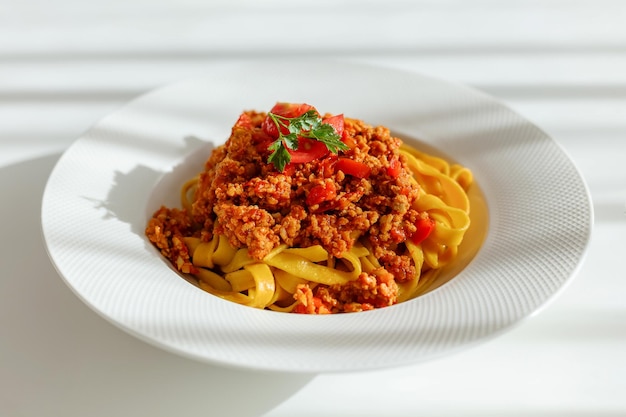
[
  {"x": 352, "y": 167},
  {"x": 289, "y": 170},
  {"x": 337, "y": 122},
  {"x": 327, "y": 166},
  {"x": 291, "y": 109},
  {"x": 286, "y": 110},
  {"x": 308, "y": 150},
  {"x": 395, "y": 167},
  {"x": 425, "y": 227},
  {"x": 244, "y": 121},
  {"x": 320, "y": 193}
]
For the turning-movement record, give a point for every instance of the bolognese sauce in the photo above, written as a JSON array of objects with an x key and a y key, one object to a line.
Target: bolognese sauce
[{"x": 364, "y": 193}]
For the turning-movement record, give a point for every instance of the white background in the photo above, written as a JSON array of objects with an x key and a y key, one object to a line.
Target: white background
[{"x": 66, "y": 64}]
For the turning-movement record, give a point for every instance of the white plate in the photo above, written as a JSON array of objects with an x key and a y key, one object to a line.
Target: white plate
[{"x": 107, "y": 184}]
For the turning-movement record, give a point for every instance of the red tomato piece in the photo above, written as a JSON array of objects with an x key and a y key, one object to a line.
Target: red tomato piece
[
  {"x": 244, "y": 121},
  {"x": 320, "y": 193},
  {"x": 425, "y": 227},
  {"x": 337, "y": 122},
  {"x": 327, "y": 166},
  {"x": 290, "y": 110},
  {"x": 395, "y": 167},
  {"x": 308, "y": 150},
  {"x": 352, "y": 167}
]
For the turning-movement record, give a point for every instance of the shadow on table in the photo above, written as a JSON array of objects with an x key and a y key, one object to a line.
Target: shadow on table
[{"x": 58, "y": 358}]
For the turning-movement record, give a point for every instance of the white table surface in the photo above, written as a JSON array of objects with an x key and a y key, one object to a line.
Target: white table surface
[{"x": 66, "y": 64}]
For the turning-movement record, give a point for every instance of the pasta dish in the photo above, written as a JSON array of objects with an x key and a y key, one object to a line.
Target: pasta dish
[{"x": 315, "y": 213}]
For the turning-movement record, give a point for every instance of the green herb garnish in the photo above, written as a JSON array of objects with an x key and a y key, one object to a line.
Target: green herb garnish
[{"x": 310, "y": 126}]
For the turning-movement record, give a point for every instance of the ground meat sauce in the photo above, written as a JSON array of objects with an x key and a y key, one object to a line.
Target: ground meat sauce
[{"x": 241, "y": 196}]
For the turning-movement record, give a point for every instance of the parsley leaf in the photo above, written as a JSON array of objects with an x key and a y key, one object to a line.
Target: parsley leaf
[
  {"x": 309, "y": 125},
  {"x": 279, "y": 157}
]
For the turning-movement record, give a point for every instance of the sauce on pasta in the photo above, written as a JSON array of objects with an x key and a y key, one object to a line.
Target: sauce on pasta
[{"x": 365, "y": 227}]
